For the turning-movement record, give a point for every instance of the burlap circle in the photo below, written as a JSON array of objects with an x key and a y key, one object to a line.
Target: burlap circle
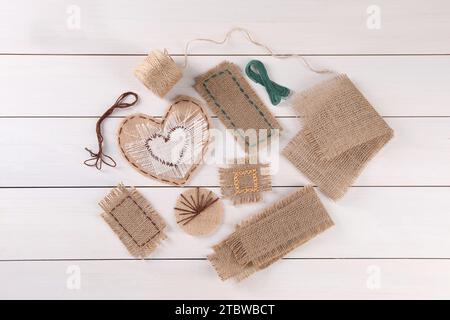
[{"x": 199, "y": 211}]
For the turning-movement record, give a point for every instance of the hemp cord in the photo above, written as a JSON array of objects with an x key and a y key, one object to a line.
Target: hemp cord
[
  {"x": 259, "y": 44},
  {"x": 97, "y": 159},
  {"x": 256, "y": 71}
]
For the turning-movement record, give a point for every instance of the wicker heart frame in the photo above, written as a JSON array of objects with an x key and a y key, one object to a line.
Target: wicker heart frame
[{"x": 168, "y": 149}]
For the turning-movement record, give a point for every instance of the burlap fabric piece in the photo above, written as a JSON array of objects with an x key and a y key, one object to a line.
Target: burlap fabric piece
[
  {"x": 236, "y": 104},
  {"x": 271, "y": 234},
  {"x": 134, "y": 220},
  {"x": 341, "y": 133},
  {"x": 244, "y": 183},
  {"x": 199, "y": 212},
  {"x": 168, "y": 149}
]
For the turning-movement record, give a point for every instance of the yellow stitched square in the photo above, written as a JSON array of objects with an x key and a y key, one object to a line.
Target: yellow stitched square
[{"x": 237, "y": 181}]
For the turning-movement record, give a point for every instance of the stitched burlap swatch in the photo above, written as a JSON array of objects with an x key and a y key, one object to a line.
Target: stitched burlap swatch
[
  {"x": 134, "y": 220},
  {"x": 271, "y": 234},
  {"x": 169, "y": 149},
  {"x": 244, "y": 183},
  {"x": 199, "y": 211},
  {"x": 341, "y": 133},
  {"x": 236, "y": 104}
]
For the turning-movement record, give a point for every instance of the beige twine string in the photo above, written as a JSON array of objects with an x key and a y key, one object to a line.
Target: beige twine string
[
  {"x": 158, "y": 72},
  {"x": 259, "y": 44}
]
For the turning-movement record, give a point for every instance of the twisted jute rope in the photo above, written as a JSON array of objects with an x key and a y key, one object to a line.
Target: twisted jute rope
[
  {"x": 158, "y": 72},
  {"x": 99, "y": 158},
  {"x": 251, "y": 39}
]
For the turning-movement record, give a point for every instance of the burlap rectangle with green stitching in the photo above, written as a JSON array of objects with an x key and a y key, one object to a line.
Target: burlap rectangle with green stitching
[{"x": 236, "y": 104}]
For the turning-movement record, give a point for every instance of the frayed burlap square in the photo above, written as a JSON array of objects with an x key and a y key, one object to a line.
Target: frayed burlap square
[
  {"x": 341, "y": 133},
  {"x": 244, "y": 183},
  {"x": 271, "y": 234},
  {"x": 236, "y": 104},
  {"x": 134, "y": 220}
]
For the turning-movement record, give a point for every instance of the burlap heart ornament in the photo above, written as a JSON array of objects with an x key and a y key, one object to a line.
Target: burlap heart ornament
[{"x": 168, "y": 149}]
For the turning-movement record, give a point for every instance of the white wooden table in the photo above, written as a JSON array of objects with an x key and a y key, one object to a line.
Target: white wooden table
[{"x": 63, "y": 62}]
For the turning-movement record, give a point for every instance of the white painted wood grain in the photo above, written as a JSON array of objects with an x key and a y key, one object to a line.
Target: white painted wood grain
[
  {"x": 50, "y": 152},
  {"x": 369, "y": 222},
  {"x": 408, "y": 219},
  {"x": 319, "y": 26},
  {"x": 87, "y": 85},
  {"x": 292, "y": 279}
]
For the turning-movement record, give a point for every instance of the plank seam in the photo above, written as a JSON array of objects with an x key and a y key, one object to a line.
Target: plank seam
[{"x": 204, "y": 259}]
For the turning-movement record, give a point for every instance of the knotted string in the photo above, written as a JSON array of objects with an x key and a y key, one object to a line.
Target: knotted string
[
  {"x": 256, "y": 71},
  {"x": 97, "y": 159}
]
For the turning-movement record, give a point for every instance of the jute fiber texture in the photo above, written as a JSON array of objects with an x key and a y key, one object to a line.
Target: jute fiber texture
[
  {"x": 168, "y": 149},
  {"x": 199, "y": 212},
  {"x": 244, "y": 183},
  {"x": 236, "y": 104},
  {"x": 341, "y": 133},
  {"x": 158, "y": 72},
  {"x": 271, "y": 234},
  {"x": 134, "y": 220}
]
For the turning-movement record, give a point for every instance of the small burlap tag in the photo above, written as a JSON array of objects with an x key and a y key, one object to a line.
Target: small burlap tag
[
  {"x": 271, "y": 234},
  {"x": 134, "y": 220},
  {"x": 199, "y": 211},
  {"x": 244, "y": 183},
  {"x": 236, "y": 104},
  {"x": 341, "y": 133}
]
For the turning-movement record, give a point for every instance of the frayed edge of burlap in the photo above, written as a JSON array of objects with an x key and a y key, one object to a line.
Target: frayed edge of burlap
[
  {"x": 116, "y": 196},
  {"x": 234, "y": 243},
  {"x": 299, "y": 107},
  {"x": 226, "y": 181},
  {"x": 294, "y": 155},
  {"x": 274, "y": 255},
  {"x": 276, "y": 206},
  {"x": 198, "y": 86},
  {"x": 316, "y": 91},
  {"x": 229, "y": 251},
  {"x": 244, "y": 271}
]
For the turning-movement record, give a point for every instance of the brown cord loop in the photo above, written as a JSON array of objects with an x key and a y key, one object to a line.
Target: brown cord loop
[{"x": 97, "y": 159}]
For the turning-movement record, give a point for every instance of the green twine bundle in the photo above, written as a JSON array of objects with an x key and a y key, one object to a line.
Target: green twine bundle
[{"x": 256, "y": 71}]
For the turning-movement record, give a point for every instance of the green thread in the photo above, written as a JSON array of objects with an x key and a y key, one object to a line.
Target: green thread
[
  {"x": 256, "y": 71},
  {"x": 246, "y": 96}
]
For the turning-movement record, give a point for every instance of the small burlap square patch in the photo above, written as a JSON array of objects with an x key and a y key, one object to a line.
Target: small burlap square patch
[
  {"x": 244, "y": 183},
  {"x": 236, "y": 104},
  {"x": 134, "y": 220},
  {"x": 271, "y": 234},
  {"x": 341, "y": 133}
]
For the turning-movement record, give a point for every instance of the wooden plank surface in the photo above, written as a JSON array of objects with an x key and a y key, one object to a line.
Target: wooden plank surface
[
  {"x": 289, "y": 279},
  {"x": 64, "y": 62},
  {"x": 307, "y": 27},
  {"x": 50, "y": 152},
  {"x": 69, "y": 86},
  {"x": 381, "y": 222}
]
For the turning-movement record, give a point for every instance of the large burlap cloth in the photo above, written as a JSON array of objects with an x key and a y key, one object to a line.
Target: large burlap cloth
[
  {"x": 341, "y": 133},
  {"x": 271, "y": 234},
  {"x": 134, "y": 220}
]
